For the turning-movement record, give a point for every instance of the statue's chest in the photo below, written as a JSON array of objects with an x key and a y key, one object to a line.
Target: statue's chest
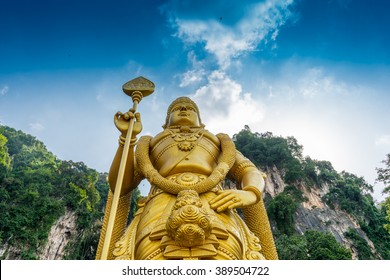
[{"x": 184, "y": 151}]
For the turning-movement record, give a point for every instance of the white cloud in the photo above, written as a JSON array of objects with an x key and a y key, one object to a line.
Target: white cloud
[
  {"x": 260, "y": 24},
  {"x": 4, "y": 90},
  {"x": 36, "y": 126},
  {"x": 316, "y": 82},
  {"x": 383, "y": 140},
  {"x": 192, "y": 77},
  {"x": 224, "y": 107},
  {"x": 308, "y": 83},
  {"x": 196, "y": 73}
]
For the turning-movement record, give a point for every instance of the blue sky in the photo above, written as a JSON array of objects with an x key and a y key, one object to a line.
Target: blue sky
[{"x": 315, "y": 70}]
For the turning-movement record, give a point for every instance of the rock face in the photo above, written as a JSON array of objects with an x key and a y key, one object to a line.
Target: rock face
[
  {"x": 60, "y": 234},
  {"x": 8, "y": 252},
  {"x": 314, "y": 214},
  {"x": 274, "y": 183},
  {"x": 334, "y": 221}
]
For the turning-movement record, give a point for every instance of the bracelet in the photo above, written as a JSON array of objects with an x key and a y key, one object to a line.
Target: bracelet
[
  {"x": 122, "y": 140},
  {"x": 255, "y": 190}
]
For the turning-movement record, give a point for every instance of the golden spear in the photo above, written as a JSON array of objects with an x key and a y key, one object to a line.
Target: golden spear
[{"x": 137, "y": 89}]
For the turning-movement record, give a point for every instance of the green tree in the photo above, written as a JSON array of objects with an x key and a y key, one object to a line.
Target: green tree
[
  {"x": 281, "y": 209},
  {"x": 38, "y": 188},
  {"x": 324, "y": 246},
  {"x": 267, "y": 150},
  {"x": 384, "y": 174},
  {"x": 350, "y": 193},
  {"x": 312, "y": 245},
  {"x": 326, "y": 172},
  {"x": 386, "y": 205},
  {"x": 292, "y": 247},
  {"x": 361, "y": 245},
  {"x": 384, "y": 177},
  {"x": 5, "y": 159}
]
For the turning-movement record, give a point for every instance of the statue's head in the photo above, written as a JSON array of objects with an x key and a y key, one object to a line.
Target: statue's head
[{"x": 183, "y": 112}]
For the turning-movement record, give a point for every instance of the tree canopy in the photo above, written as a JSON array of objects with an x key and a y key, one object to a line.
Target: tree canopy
[
  {"x": 384, "y": 177},
  {"x": 31, "y": 177},
  {"x": 347, "y": 192}
]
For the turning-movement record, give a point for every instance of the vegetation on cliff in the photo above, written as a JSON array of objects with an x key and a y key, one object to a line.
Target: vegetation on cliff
[
  {"x": 384, "y": 176},
  {"x": 347, "y": 192},
  {"x": 36, "y": 188}
]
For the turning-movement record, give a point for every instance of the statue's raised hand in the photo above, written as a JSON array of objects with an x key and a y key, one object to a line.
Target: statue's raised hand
[{"x": 122, "y": 121}]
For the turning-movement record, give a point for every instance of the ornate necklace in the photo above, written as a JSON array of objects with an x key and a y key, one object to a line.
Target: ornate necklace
[{"x": 185, "y": 138}]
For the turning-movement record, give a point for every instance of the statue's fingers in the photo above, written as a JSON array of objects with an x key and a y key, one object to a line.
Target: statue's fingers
[
  {"x": 220, "y": 195},
  {"x": 221, "y": 201},
  {"x": 225, "y": 206},
  {"x": 128, "y": 115},
  {"x": 235, "y": 205},
  {"x": 138, "y": 117},
  {"x": 116, "y": 116}
]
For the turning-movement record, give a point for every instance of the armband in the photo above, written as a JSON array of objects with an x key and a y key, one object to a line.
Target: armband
[
  {"x": 122, "y": 140},
  {"x": 255, "y": 190}
]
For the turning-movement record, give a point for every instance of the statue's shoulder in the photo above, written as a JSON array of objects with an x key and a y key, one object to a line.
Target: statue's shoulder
[
  {"x": 212, "y": 137},
  {"x": 159, "y": 137}
]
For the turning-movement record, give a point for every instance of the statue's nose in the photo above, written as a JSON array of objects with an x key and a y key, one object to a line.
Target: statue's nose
[{"x": 183, "y": 108}]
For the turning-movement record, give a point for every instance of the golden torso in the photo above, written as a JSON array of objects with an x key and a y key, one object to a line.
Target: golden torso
[
  {"x": 177, "y": 222},
  {"x": 195, "y": 151}
]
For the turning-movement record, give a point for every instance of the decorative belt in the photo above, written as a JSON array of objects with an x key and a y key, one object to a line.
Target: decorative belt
[{"x": 187, "y": 179}]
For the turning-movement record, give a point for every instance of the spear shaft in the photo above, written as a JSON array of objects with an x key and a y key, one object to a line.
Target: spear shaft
[
  {"x": 118, "y": 187},
  {"x": 137, "y": 89}
]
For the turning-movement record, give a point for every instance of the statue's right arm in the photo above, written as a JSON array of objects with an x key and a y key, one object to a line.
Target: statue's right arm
[{"x": 131, "y": 178}]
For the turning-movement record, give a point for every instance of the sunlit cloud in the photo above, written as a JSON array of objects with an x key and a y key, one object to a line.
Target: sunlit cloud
[
  {"x": 192, "y": 77},
  {"x": 196, "y": 72},
  {"x": 315, "y": 82},
  {"x": 383, "y": 140},
  {"x": 260, "y": 24},
  {"x": 224, "y": 106},
  {"x": 307, "y": 83}
]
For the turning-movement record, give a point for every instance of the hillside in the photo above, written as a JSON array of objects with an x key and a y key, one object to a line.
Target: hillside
[
  {"x": 310, "y": 205},
  {"x": 52, "y": 209}
]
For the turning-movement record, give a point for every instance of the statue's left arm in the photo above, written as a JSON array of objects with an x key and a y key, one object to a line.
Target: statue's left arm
[
  {"x": 250, "y": 185},
  {"x": 248, "y": 195}
]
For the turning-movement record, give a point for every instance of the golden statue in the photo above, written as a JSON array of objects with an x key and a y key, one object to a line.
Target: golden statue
[{"x": 188, "y": 213}]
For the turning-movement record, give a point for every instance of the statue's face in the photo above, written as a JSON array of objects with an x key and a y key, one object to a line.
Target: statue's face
[{"x": 183, "y": 114}]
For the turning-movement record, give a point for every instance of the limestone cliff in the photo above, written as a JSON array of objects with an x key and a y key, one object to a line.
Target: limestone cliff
[
  {"x": 314, "y": 214},
  {"x": 60, "y": 234}
]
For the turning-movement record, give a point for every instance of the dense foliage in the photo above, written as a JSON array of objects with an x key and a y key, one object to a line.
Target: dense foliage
[
  {"x": 351, "y": 194},
  {"x": 384, "y": 177},
  {"x": 361, "y": 245},
  {"x": 347, "y": 191},
  {"x": 281, "y": 209},
  {"x": 36, "y": 188},
  {"x": 268, "y": 151},
  {"x": 312, "y": 245}
]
